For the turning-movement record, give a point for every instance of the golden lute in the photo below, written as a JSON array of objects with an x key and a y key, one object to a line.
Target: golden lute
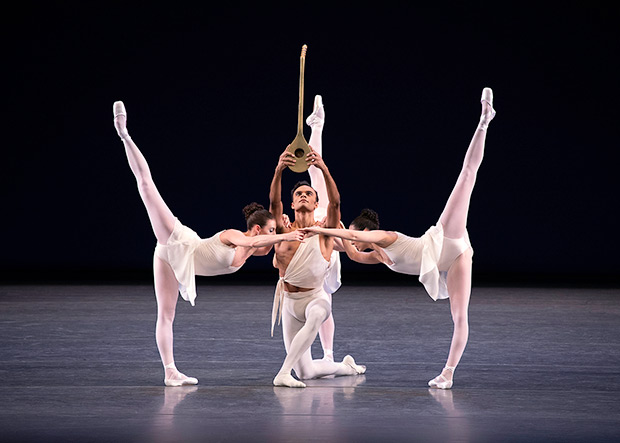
[{"x": 299, "y": 146}]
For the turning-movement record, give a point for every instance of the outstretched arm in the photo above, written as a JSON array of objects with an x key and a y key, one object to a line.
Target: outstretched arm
[
  {"x": 382, "y": 239},
  {"x": 275, "y": 192},
  {"x": 366, "y": 258},
  {"x": 233, "y": 237}
]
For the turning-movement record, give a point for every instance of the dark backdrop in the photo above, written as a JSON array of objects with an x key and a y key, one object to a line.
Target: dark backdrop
[{"x": 211, "y": 94}]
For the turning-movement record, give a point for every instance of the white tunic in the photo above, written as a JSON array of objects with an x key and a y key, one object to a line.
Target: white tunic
[
  {"x": 189, "y": 255},
  {"x": 307, "y": 269},
  {"x": 429, "y": 256}
]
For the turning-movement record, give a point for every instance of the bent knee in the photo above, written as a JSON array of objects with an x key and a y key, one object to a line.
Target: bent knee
[{"x": 317, "y": 314}]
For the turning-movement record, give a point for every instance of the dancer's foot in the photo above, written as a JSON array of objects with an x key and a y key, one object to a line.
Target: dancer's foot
[
  {"x": 349, "y": 361},
  {"x": 443, "y": 380},
  {"x": 287, "y": 380},
  {"x": 487, "y": 109},
  {"x": 176, "y": 378},
  {"x": 328, "y": 355},
  {"x": 120, "y": 120},
  {"x": 316, "y": 120}
]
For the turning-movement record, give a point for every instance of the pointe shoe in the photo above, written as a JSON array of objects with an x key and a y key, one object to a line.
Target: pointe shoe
[
  {"x": 349, "y": 361},
  {"x": 441, "y": 382},
  {"x": 185, "y": 381},
  {"x": 120, "y": 123},
  {"x": 179, "y": 379},
  {"x": 317, "y": 118},
  {"x": 119, "y": 109},
  {"x": 485, "y": 119}
]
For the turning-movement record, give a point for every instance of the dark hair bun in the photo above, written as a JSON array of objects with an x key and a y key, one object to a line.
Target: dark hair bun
[
  {"x": 251, "y": 209},
  {"x": 370, "y": 215}
]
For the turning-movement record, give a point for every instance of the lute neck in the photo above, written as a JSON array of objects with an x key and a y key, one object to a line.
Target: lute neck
[{"x": 300, "y": 109}]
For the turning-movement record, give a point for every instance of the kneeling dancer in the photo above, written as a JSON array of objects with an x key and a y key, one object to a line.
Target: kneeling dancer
[{"x": 300, "y": 300}]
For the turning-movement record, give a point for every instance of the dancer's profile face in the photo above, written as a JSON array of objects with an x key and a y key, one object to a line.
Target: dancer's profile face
[
  {"x": 360, "y": 246},
  {"x": 269, "y": 228},
  {"x": 304, "y": 197}
]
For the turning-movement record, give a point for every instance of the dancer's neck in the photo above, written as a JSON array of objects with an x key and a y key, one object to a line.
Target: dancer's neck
[{"x": 304, "y": 219}]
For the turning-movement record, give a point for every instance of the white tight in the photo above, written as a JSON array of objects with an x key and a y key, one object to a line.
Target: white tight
[
  {"x": 454, "y": 221},
  {"x": 162, "y": 222},
  {"x": 328, "y": 327},
  {"x": 301, "y": 319}
]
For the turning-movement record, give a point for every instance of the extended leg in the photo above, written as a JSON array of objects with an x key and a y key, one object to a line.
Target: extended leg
[
  {"x": 316, "y": 121},
  {"x": 454, "y": 216},
  {"x": 166, "y": 292},
  {"x": 162, "y": 219},
  {"x": 459, "y": 288},
  {"x": 454, "y": 221}
]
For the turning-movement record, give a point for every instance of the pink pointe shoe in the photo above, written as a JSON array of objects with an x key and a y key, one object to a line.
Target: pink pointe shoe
[
  {"x": 120, "y": 119},
  {"x": 178, "y": 378},
  {"x": 317, "y": 118},
  {"x": 441, "y": 382},
  {"x": 485, "y": 118}
]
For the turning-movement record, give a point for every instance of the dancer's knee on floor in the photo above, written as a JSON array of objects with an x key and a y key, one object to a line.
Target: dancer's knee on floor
[{"x": 304, "y": 373}]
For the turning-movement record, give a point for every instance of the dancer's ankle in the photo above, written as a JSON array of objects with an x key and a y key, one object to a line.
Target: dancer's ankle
[{"x": 448, "y": 372}]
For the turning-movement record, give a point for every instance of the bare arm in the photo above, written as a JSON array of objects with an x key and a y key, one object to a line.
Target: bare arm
[
  {"x": 275, "y": 191},
  {"x": 366, "y": 258},
  {"x": 262, "y": 251},
  {"x": 233, "y": 237},
  {"x": 382, "y": 239},
  {"x": 333, "y": 208}
]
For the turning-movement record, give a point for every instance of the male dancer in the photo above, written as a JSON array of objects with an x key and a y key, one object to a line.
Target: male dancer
[{"x": 300, "y": 297}]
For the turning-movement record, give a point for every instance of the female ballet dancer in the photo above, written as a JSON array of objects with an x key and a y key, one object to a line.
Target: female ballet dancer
[
  {"x": 180, "y": 254},
  {"x": 316, "y": 121},
  {"x": 442, "y": 257}
]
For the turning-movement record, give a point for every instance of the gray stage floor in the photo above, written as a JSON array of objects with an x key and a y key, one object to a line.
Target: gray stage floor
[{"x": 79, "y": 363}]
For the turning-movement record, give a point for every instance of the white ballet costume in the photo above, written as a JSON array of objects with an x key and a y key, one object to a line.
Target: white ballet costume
[
  {"x": 189, "y": 255},
  {"x": 429, "y": 256},
  {"x": 307, "y": 269}
]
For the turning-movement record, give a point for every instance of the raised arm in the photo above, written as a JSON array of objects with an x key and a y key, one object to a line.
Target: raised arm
[
  {"x": 275, "y": 192},
  {"x": 382, "y": 239},
  {"x": 333, "y": 208}
]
